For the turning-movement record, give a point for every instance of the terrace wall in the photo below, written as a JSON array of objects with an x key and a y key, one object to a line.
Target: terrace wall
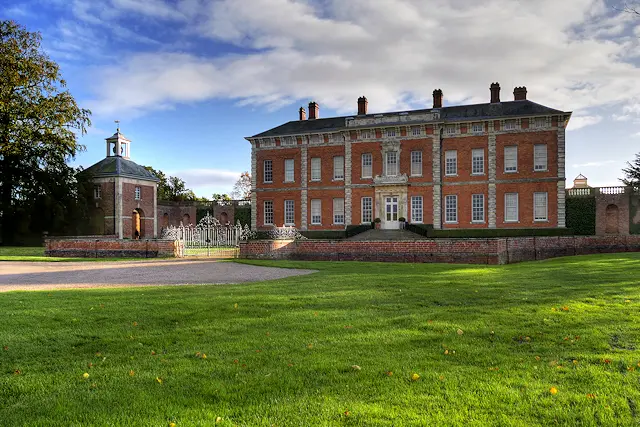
[
  {"x": 499, "y": 250},
  {"x": 83, "y": 247}
]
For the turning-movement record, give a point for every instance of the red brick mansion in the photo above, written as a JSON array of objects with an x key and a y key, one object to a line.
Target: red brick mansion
[{"x": 493, "y": 165}]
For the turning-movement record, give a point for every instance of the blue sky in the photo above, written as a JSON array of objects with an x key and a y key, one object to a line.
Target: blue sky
[{"x": 189, "y": 79}]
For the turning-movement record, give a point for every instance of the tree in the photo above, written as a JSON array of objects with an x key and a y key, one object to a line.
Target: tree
[
  {"x": 220, "y": 198},
  {"x": 242, "y": 187},
  {"x": 632, "y": 173},
  {"x": 39, "y": 122},
  {"x": 173, "y": 189}
]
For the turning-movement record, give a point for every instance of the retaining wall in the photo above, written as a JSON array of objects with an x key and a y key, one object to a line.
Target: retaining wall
[
  {"x": 499, "y": 250},
  {"x": 83, "y": 247}
]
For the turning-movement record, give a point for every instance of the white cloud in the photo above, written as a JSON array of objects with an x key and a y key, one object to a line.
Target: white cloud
[
  {"x": 578, "y": 122},
  {"x": 198, "y": 179},
  {"x": 636, "y": 135},
  {"x": 394, "y": 52},
  {"x": 594, "y": 164}
]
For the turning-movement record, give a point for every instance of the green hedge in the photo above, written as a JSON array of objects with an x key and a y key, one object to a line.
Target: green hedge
[
  {"x": 581, "y": 215},
  {"x": 352, "y": 230},
  {"x": 421, "y": 229},
  {"x": 324, "y": 234},
  {"x": 501, "y": 232},
  {"x": 243, "y": 215}
]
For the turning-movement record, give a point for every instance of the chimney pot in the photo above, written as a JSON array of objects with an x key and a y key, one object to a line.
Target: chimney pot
[
  {"x": 314, "y": 110},
  {"x": 437, "y": 98},
  {"x": 303, "y": 113},
  {"x": 520, "y": 93},
  {"x": 495, "y": 92},
  {"x": 362, "y": 105}
]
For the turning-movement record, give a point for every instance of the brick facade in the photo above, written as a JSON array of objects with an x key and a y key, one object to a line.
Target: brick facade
[
  {"x": 420, "y": 141},
  {"x": 473, "y": 251},
  {"x": 103, "y": 247}
]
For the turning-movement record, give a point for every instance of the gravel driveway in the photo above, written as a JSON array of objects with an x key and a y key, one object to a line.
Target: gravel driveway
[{"x": 64, "y": 275}]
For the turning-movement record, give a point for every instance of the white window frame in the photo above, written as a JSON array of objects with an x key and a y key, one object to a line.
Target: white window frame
[
  {"x": 97, "y": 192},
  {"x": 138, "y": 193},
  {"x": 540, "y": 162},
  {"x": 390, "y": 132},
  {"x": 289, "y": 213},
  {"x": 366, "y": 209},
  {"x": 477, "y": 161},
  {"x": 477, "y": 207},
  {"x": 451, "y": 209},
  {"x": 316, "y": 169},
  {"x": 336, "y": 137},
  {"x": 268, "y": 212},
  {"x": 267, "y": 171},
  {"x": 451, "y": 129},
  {"x": 396, "y": 166},
  {"x": 451, "y": 163},
  {"x": 536, "y": 207},
  {"x": 316, "y": 212},
  {"x": 315, "y": 139},
  {"x": 416, "y": 130},
  {"x": 477, "y": 127},
  {"x": 267, "y": 142},
  {"x": 416, "y": 163},
  {"x": 515, "y": 197},
  {"x": 538, "y": 122},
  {"x": 289, "y": 170},
  {"x": 510, "y": 125},
  {"x": 365, "y": 134},
  {"x": 367, "y": 165},
  {"x": 288, "y": 140},
  {"x": 338, "y": 211},
  {"x": 417, "y": 209},
  {"x": 338, "y": 168},
  {"x": 508, "y": 168}
]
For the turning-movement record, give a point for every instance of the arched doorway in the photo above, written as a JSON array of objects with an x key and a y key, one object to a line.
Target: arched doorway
[
  {"x": 97, "y": 222},
  {"x": 165, "y": 220},
  {"x": 137, "y": 222},
  {"x": 611, "y": 217},
  {"x": 186, "y": 219},
  {"x": 224, "y": 218}
]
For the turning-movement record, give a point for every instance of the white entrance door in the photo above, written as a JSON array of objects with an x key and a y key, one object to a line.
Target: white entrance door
[{"x": 391, "y": 213}]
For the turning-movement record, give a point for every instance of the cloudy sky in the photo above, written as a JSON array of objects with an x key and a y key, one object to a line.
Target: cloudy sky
[{"x": 189, "y": 79}]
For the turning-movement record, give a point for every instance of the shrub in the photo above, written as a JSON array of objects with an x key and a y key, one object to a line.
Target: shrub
[{"x": 581, "y": 215}]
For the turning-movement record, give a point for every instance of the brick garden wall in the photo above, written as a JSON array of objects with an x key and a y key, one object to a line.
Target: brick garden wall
[
  {"x": 471, "y": 251},
  {"x": 101, "y": 247}
]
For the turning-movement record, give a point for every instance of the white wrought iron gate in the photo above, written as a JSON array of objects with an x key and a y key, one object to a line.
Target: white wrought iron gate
[{"x": 208, "y": 238}]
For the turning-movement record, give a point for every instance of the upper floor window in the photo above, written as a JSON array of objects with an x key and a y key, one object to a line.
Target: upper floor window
[
  {"x": 365, "y": 134},
  {"x": 509, "y": 124},
  {"x": 416, "y": 130},
  {"x": 451, "y": 162},
  {"x": 267, "y": 142},
  {"x": 477, "y": 127},
  {"x": 338, "y": 167},
  {"x": 390, "y": 132},
  {"x": 540, "y": 157},
  {"x": 289, "y": 140},
  {"x": 538, "y": 122},
  {"x": 511, "y": 158},
  {"x": 316, "y": 172},
  {"x": 416, "y": 163},
  {"x": 335, "y": 137},
  {"x": 315, "y": 139},
  {"x": 138, "y": 193},
  {"x": 289, "y": 175},
  {"x": 268, "y": 171},
  {"x": 97, "y": 192},
  {"x": 391, "y": 163},
  {"x": 450, "y": 129},
  {"x": 367, "y": 165},
  {"x": 477, "y": 161}
]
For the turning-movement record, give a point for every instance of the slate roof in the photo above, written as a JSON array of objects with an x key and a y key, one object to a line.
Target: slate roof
[
  {"x": 118, "y": 166},
  {"x": 454, "y": 113}
]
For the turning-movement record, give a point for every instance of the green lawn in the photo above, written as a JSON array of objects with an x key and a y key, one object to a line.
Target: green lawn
[
  {"x": 36, "y": 253},
  {"x": 489, "y": 343}
]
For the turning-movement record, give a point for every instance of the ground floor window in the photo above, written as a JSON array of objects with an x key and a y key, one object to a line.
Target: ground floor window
[
  {"x": 289, "y": 212},
  {"x": 477, "y": 208},
  {"x": 451, "y": 208},
  {"x": 367, "y": 209},
  {"x": 268, "y": 212},
  {"x": 316, "y": 211},
  {"x": 416, "y": 209},
  {"x": 338, "y": 211},
  {"x": 540, "y": 211}
]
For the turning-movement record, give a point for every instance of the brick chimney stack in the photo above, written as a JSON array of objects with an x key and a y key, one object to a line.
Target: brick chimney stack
[
  {"x": 303, "y": 113},
  {"x": 437, "y": 98},
  {"x": 495, "y": 93},
  {"x": 520, "y": 93},
  {"x": 362, "y": 105},
  {"x": 314, "y": 110}
]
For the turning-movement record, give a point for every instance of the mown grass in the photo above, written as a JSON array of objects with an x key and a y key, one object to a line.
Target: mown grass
[
  {"x": 489, "y": 343},
  {"x": 36, "y": 253}
]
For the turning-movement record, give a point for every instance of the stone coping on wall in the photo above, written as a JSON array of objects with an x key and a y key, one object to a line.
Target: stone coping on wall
[
  {"x": 109, "y": 247},
  {"x": 494, "y": 250}
]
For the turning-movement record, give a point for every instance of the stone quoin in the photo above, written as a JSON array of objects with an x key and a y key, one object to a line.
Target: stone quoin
[{"x": 495, "y": 165}]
